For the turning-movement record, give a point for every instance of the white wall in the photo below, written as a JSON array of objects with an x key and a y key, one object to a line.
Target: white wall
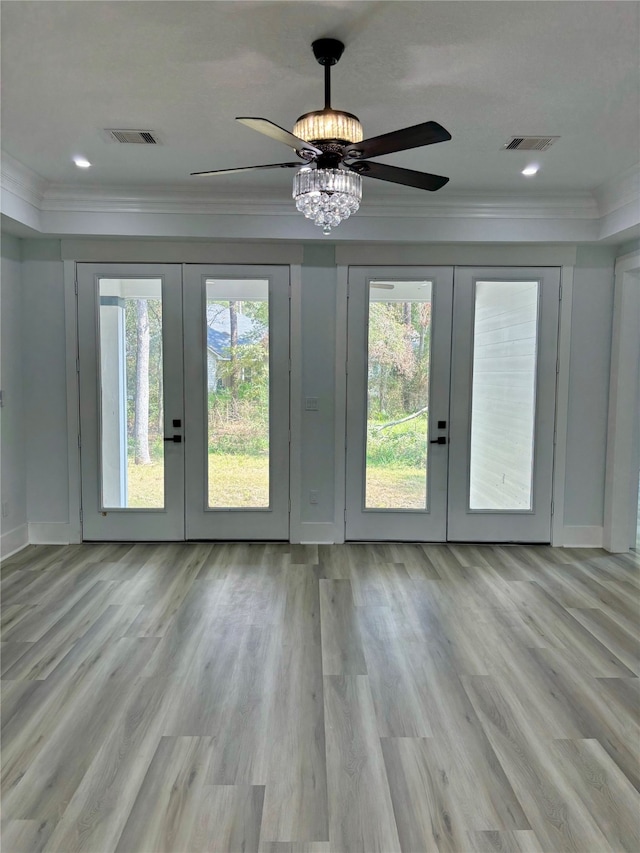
[
  {"x": 591, "y": 321},
  {"x": 627, "y": 248},
  {"x": 42, "y": 350},
  {"x": 319, "y": 278},
  {"x": 12, "y": 450},
  {"x": 45, "y": 403}
]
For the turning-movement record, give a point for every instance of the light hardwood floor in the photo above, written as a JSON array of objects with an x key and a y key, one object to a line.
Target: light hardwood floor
[{"x": 302, "y": 699}]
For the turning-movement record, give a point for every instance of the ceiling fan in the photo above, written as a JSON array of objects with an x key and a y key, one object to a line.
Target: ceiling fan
[{"x": 328, "y": 187}]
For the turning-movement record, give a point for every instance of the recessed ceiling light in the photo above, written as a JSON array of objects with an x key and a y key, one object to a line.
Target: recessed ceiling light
[
  {"x": 81, "y": 162},
  {"x": 531, "y": 170}
]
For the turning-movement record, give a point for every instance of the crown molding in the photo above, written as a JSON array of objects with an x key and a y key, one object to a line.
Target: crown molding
[
  {"x": 88, "y": 199},
  {"x": 610, "y": 208},
  {"x": 21, "y": 181},
  {"x": 620, "y": 191}
]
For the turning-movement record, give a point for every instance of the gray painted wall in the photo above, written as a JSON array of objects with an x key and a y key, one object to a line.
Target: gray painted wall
[
  {"x": 627, "y": 248},
  {"x": 591, "y": 321},
  {"x": 44, "y": 365},
  {"x": 37, "y": 361},
  {"x": 12, "y": 449},
  {"x": 319, "y": 280}
]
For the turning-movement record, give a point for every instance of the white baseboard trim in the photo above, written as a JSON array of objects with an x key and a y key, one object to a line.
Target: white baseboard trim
[
  {"x": 577, "y": 536},
  {"x": 13, "y": 541},
  {"x": 51, "y": 533},
  {"x": 317, "y": 533}
]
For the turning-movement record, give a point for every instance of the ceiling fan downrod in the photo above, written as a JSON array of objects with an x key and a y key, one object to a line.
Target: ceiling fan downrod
[{"x": 328, "y": 53}]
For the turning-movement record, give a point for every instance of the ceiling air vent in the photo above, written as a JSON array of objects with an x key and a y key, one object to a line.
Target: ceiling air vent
[
  {"x": 530, "y": 143},
  {"x": 133, "y": 137}
]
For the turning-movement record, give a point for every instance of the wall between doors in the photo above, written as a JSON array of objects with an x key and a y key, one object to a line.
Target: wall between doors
[
  {"x": 591, "y": 323},
  {"x": 36, "y": 346}
]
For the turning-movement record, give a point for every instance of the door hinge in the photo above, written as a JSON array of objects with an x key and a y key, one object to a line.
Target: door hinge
[
  {"x": 289, "y": 437},
  {"x": 551, "y": 507},
  {"x": 345, "y": 516},
  {"x": 79, "y": 441},
  {"x": 557, "y": 366},
  {"x": 289, "y": 504},
  {"x": 75, "y": 284},
  {"x": 80, "y": 515},
  {"x": 77, "y": 365},
  {"x": 560, "y": 291}
]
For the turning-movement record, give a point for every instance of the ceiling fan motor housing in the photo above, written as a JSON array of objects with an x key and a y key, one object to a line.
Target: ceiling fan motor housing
[{"x": 328, "y": 126}]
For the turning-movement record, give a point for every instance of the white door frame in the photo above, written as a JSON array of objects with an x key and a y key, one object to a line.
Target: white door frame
[
  {"x": 544, "y": 418},
  {"x": 623, "y": 440},
  {"x": 136, "y": 252}
]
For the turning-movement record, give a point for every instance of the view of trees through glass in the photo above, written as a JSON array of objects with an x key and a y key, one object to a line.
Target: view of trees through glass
[
  {"x": 237, "y": 345},
  {"x": 238, "y": 400},
  {"x": 399, "y": 353},
  {"x": 145, "y": 397}
]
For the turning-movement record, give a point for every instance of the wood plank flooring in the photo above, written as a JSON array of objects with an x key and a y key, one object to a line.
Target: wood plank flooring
[{"x": 319, "y": 699}]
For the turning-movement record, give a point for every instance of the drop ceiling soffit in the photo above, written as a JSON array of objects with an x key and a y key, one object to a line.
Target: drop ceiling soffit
[{"x": 25, "y": 183}]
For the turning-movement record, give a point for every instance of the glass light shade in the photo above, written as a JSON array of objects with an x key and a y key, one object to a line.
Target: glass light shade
[
  {"x": 328, "y": 125},
  {"x": 327, "y": 196}
]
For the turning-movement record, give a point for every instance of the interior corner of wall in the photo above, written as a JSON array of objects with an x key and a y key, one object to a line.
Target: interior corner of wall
[
  {"x": 53, "y": 533},
  {"x": 581, "y": 536},
  {"x": 13, "y": 541}
]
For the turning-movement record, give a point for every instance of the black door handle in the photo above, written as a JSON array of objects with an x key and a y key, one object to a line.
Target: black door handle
[
  {"x": 177, "y": 439},
  {"x": 441, "y": 439}
]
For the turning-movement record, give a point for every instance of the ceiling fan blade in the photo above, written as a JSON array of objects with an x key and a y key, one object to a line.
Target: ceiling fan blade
[
  {"x": 249, "y": 168},
  {"x": 419, "y": 180},
  {"x": 399, "y": 140},
  {"x": 263, "y": 125}
]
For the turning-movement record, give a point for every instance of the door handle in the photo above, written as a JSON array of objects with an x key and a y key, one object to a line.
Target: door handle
[
  {"x": 441, "y": 439},
  {"x": 177, "y": 439}
]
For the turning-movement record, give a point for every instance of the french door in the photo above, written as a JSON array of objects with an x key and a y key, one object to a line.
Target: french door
[
  {"x": 398, "y": 364},
  {"x": 237, "y": 453},
  {"x": 451, "y": 403},
  {"x": 184, "y": 401}
]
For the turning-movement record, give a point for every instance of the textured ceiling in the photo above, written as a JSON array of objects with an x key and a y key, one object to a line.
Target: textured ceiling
[{"x": 484, "y": 70}]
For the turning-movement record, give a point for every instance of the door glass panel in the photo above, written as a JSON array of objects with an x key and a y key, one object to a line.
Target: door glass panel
[
  {"x": 399, "y": 355},
  {"x": 131, "y": 393},
  {"x": 503, "y": 395},
  {"x": 237, "y": 340}
]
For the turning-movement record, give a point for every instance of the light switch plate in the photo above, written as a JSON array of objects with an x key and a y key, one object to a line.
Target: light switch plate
[{"x": 311, "y": 404}]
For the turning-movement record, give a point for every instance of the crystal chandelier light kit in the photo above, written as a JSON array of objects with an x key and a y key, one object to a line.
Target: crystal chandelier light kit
[
  {"x": 328, "y": 194},
  {"x": 328, "y": 188}
]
